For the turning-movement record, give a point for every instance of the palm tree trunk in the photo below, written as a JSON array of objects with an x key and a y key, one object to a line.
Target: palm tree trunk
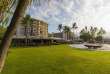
[
  {"x": 76, "y": 34},
  {"x": 17, "y": 17},
  {"x": 27, "y": 33},
  {"x": 67, "y": 36},
  {"x": 60, "y": 34},
  {"x": 73, "y": 35}
]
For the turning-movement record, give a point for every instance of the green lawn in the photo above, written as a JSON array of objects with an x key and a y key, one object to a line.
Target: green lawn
[{"x": 56, "y": 59}]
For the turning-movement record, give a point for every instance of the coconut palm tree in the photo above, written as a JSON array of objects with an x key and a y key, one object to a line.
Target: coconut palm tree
[
  {"x": 85, "y": 34},
  {"x": 17, "y": 17},
  {"x": 68, "y": 32},
  {"x": 15, "y": 21},
  {"x": 65, "y": 31},
  {"x": 76, "y": 30},
  {"x": 27, "y": 21},
  {"x": 74, "y": 27},
  {"x": 2, "y": 31},
  {"x": 6, "y": 7},
  {"x": 101, "y": 32},
  {"x": 93, "y": 31},
  {"x": 60, "y": 28}
]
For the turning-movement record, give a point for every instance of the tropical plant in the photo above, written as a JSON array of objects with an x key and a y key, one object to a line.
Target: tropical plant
[
  {"x": 65, "y": 31},
  {"x": 6, "y": 7},
  {"x": 85, "y": 34},
  {"x": 93, "y": 31},
  {"x": 2, "y": 31},
  {"x": 101, "y": 32},
  {"x": 68, "y": 32},
  {"x": 28, "y": 22},
  {"x": 15, "y": 21},
  {"x": 6, "y": 10},
  {"x": 74, "y": 27},
  {"x": 60, "y": 28},
  {"x": 99, "y": 38}
]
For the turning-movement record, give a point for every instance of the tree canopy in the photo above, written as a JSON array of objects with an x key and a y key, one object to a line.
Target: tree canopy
[
  {"x": 2, "y": 31},
  {"x": 92, "y": 34},
  {"x": 60, "y": 27},
  {"x": 6, "y": 9}
]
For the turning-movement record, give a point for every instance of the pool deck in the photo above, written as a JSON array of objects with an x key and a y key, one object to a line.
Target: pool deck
[{"x": 105, "y": 47}]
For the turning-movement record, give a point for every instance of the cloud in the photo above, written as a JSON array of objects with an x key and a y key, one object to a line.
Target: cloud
[{"x": 83, "y": 12}]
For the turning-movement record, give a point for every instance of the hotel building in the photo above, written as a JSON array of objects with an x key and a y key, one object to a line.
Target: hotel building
[{"x": 37, "y": 33}]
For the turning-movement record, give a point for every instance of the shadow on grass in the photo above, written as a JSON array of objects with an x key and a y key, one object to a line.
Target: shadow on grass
[{"x": 13, "y": 47}]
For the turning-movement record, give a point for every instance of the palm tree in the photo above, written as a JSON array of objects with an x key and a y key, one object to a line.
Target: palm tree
[
  {"x": 6, "y": 7},
  {"x": 93, "y": 31},
  {"x": 2, "y": 31},
  {"x": 28, "y": 22},
  {"x": 68, "y": 32},
  {"x": 65, "y": 31},
  {"x": 76, "y": 30},
  {"x": 85, "y": 34},
  {"x": 101, "y": 32},
  {"x": 74, "y": 26},
  {"x": 60, "y": 28},
  {"x": 86, "y": 29},
  {"x": 16, "y": 19}
]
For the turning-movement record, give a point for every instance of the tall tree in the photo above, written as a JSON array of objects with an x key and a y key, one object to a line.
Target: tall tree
[
  {"x": 76, "y": 30},
  {"x": 17, "y": 17},
  {"x": 101, "y": 32},
  {"x": 85, "y": 34},
  {"x": 15, "y": 21},
  {"x": 2, "y": 31},
  {"x": 74, "y": 27},
  {"x": 65, "y": 31},
  {"x": 99, "y": 38},
  {"x": 93, "y": 31},
  {"x": 6, "y": 7},
  {"x": 28, "y": 22},
  {"x": 6, "y": 10},
  {"x": 68, "y": 32},
  {"x": 60, "y": 28}
]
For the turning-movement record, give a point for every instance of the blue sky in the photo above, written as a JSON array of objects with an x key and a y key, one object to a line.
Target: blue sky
[{"x": 84, "y": 12}]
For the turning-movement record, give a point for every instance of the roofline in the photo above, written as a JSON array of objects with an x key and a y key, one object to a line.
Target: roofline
[
  {"x": 59, "y": 32},
  {"x": 40, "y": 20}
]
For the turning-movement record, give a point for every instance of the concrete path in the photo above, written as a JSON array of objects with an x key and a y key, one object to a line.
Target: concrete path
[{"x": 105, "y": 47}]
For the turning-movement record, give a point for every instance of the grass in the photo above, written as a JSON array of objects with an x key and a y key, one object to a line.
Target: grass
[{"x": 56, "y": 59}]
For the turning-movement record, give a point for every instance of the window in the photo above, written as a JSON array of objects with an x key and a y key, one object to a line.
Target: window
[{"x": 40, "y": 31}]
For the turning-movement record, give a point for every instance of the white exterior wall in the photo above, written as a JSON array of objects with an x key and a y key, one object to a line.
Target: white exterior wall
[
  {"x": 64, "y": 36},
  {"x": 18, "y": 31}
]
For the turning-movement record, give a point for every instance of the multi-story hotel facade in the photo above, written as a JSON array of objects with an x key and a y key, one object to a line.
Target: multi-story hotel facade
[
  {"x": 64, "y": 36},
  {"x": 38, "y": 29},
  {"x": 37, "y": 33}
]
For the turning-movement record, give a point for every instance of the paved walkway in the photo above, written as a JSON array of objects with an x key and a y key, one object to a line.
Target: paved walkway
[{"x": 105, "y": 47}]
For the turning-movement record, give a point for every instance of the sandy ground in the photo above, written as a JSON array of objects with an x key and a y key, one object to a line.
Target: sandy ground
[{"x": 105, "y": 47}]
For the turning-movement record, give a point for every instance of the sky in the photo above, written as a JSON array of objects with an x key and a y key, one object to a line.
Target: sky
[{"x": 94, "y": 13}]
